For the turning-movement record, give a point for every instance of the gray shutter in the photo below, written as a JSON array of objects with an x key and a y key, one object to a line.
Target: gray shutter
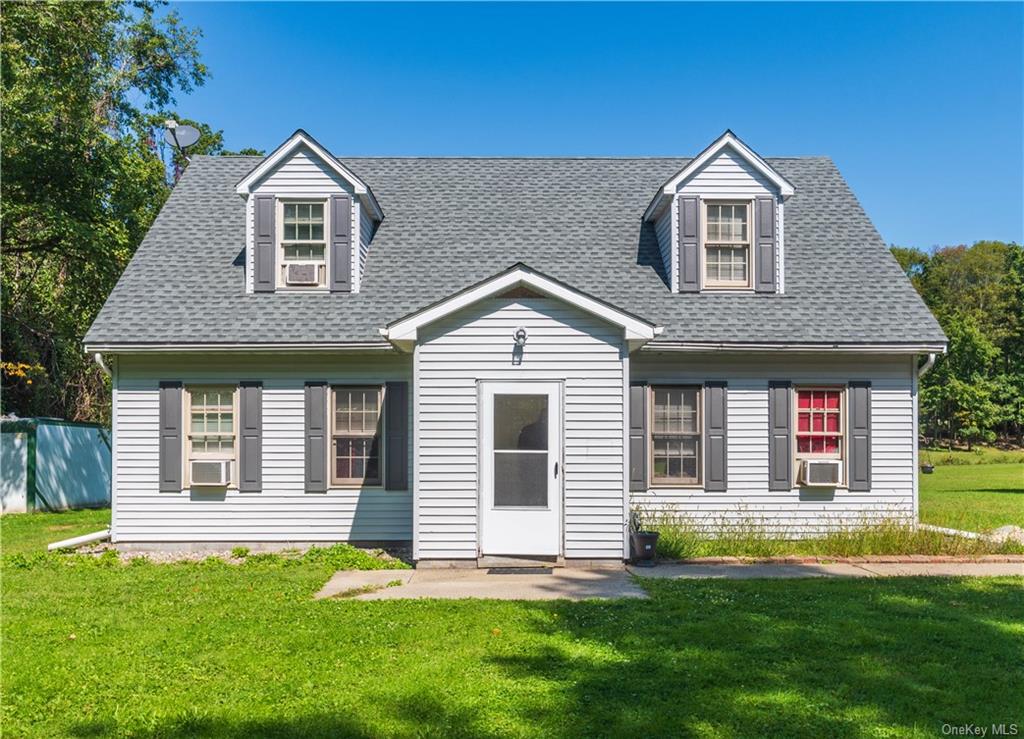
[
  {"x": 341, "y": 244},
  {"x": 250, "y": 434},
  {"x": 396, "y": 427},
  {"x": 780, "y": 436},
  {"x": 316, "y": 437},
  {"x": 638, "y": 437},
  {"x": 715, "y": 454},
  {"x": 764, "y": 245},
  {"x": 859, "y": 425},
  {"x": 265, "y": 237},
  {"x": 170, "y": 437},
  {"x": 689, "y": 258}
]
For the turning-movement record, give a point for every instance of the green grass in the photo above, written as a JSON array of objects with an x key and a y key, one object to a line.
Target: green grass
[
  {"x": 978, "y": 455},
  {"x": 31, "y": 532},
  {"x": 973, "y": 497},
  {"x": 682, "y": 539},
  {"x": 95, "y": 648}
]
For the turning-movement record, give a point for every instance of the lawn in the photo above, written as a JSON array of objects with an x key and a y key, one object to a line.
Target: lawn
[
  {"x": 32, "y": 532},
  {"x": 977, "y": 497},
  {"x": 97, "y": 648}
]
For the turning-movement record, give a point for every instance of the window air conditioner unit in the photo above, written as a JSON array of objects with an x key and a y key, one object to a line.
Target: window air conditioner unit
[
  {"x": 210, "y": 472},
  {"x": 303, "y": 274},
  {"x": 822, "y": 473}
]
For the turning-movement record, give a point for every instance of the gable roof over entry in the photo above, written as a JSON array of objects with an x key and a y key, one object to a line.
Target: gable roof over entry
[{"x": 403, "y": 332}]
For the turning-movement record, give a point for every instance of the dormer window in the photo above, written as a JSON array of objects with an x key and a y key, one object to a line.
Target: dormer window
[
  {"x": 303, "y": 249},
  {"x": 727, "y": 245}
]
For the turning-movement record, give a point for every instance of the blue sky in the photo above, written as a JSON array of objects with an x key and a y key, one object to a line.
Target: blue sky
[{"x": 920, "y": 105}]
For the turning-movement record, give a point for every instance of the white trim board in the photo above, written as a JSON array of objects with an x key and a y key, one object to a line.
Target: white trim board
[
  {"x": 403, "y": 333},
  {"x": 726, "y": 140},
  {"x": 295, "y": 141}
]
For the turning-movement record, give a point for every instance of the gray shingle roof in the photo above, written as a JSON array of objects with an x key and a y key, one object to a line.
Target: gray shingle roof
[{"x": 453, "y": 222}]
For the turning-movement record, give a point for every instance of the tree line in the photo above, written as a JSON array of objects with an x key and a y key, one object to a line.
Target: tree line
[
  {"x": 975, "y": 392},
  {"x": 85, "y": 89}
]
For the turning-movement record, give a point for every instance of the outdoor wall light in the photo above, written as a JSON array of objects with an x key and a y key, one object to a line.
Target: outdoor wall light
[{"x": 520, "y": 336}]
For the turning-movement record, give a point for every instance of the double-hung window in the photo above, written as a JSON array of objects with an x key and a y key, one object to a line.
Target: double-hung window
[
  {"x": 727, "y": 245},
  {"x": 357, "y": 457},
  {"x": 675, "y": 435},
  {"x": 303, "y": 261},
  {"x": 211, "y": 414},
  {"x": 819, "y": 423}
]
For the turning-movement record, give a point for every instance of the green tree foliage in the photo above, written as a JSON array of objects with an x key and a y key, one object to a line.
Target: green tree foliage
[
  {"x": 84, "y": 88},
  {"x": 976, "y": 391}
]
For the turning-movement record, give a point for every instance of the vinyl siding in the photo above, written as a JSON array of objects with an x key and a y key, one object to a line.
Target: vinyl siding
[
  {"x": 727, "y": 176},
  {"x": 301, "y": 175},
  {"x": 365, "y": 235},
  {"x": 664, "y": 229},
  {"x": 564, "y": 344},
  {"x": 796, "y": 512},
  {"x": 283, "y": 511}
]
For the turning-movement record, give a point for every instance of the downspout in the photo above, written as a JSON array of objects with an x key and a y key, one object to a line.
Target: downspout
[
  {"x": 103, "y": 365},
  {"x": 928, "y": 364}
]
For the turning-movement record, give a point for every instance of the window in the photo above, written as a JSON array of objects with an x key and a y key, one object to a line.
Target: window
[
  {"x": 819, "y": 423},
  {"x": 211, "y": 424},
  {"x": 357, "y": 435},
  {"x": 303, "y": 248},
  {"x": 675, "y": 435},
  {"x": 727, "y": 245}
]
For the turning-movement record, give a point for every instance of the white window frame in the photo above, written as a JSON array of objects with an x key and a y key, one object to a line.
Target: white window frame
[
  {"x": 705, "y": 243},
  {"x": 670, "y": 482},
  {"x": 842, "y": 455},
  {"x": 279, "y": 243},
  {"x": 187, "y": 431},
  {"x": 354, "y": 482}
]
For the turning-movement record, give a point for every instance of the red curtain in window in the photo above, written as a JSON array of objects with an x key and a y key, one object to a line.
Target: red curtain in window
[{"x": 818, "y": 422}]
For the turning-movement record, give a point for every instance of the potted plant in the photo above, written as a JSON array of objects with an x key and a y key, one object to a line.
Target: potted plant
[{"x": 643, "y": 538}]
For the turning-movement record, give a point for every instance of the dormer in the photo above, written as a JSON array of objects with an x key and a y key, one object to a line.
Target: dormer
[
  {"x": 309, "y": 221},
  {"x": 719, "y": 222}
]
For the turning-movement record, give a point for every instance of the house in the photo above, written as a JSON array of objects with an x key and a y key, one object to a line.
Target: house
[{"x": 500, "y": 356}]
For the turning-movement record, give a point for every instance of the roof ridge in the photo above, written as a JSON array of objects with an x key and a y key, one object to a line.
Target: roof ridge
[{"x": 523, "y": 158}]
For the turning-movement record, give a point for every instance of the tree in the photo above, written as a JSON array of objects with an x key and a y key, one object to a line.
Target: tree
[
  {"x": 976, "y": 391},
  {"x": 81, "y": 179}
]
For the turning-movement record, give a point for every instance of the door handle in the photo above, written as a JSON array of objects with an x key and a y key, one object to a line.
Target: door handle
[{"x": 556, "y": 468}]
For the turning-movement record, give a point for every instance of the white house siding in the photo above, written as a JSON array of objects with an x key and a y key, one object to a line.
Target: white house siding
[
  {"x": 795, "y": 513},
  {"x": 283, "y": 511},
  {"x": 664, "y": 229},
  {"x": 365, "y": 235},
  {"x": 726, "y": 176},
  {"x": 301, "y": 175},
  {"x": 476, "y": 344}
]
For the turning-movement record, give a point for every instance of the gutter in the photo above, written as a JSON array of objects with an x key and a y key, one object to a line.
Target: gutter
[
  {"x": 248, "y": 348},
  {"x": 697, "y": 347}
]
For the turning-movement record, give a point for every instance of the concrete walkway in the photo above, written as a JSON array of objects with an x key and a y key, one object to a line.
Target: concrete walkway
[
  {"x": 544, "y": 583},
  {"x": 580, "y": 584}
]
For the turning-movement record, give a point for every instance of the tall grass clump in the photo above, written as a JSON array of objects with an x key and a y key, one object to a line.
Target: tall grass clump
[{"x": 687, "y": 537}]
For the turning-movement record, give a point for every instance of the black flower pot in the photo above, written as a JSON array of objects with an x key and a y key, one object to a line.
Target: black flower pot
[
  {"x": 645, "y": 545},
  {"x": 927, "y": 468}
]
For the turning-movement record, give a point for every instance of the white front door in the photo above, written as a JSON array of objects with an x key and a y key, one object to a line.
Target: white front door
[{"x": 520, "y": 468}]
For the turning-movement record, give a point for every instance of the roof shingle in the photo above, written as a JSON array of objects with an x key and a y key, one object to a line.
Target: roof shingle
[{"x": 452, "y": 222}]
